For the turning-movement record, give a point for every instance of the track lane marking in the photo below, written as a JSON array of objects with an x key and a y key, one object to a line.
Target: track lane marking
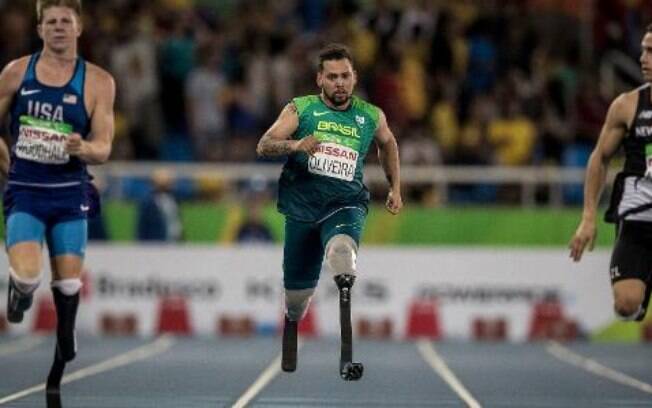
[
  {"x": 143, "y": 352},
  {"x": 568, "y": 356},
  {"x": 268, "y": 374},
  {"x": 435, "y": 361},
  {"x": 20, "y": 345}
]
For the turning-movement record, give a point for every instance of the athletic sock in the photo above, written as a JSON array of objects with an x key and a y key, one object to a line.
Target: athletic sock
[
  {"x": 24, "y": 286},
  {"x": 19, "y": 296}
]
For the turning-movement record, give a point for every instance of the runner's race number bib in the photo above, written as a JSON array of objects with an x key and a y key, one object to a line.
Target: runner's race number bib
[
  {"x": 42, "y": 141},
  {"x": 334, "y": 160}
]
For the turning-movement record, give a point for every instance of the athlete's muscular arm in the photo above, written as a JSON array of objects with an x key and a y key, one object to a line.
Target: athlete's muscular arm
[
  {"x": 276, "y": 141},
  {"x": 10, "y": 80},
  {"x": 389, "y": 159},
  {"x": 97, "y": 149},
  {"x": 619, "y": 116}
]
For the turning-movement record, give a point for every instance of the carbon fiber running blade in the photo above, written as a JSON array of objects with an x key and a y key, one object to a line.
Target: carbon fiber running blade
[
  {"x": 53, "y": 400},
  {"x": 289, "y": 359},
  {"x": 351, "y": 371},
  {"x": 56, "y": 374}
]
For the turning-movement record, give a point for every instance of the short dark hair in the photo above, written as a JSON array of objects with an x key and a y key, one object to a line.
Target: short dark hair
[
  {"x": 41, "y": 5},
  {"x": 648, "y": 29},
  {"x": 334, "y": 51}
]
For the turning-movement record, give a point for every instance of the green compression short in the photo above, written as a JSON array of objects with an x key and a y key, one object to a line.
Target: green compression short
[{"x": 305, "y": 242}]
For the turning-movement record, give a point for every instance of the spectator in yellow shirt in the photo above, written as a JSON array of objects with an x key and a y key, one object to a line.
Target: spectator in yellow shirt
[{"x": 512, "y": 136}]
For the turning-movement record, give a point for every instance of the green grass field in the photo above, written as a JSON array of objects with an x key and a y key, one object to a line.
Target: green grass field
[{"x": 476, "y": 226}]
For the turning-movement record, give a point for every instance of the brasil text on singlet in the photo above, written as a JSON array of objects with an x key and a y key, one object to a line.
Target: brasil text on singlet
[{"x": 312, "y": 186}]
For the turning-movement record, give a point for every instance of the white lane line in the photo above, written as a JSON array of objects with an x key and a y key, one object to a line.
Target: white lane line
[
  {"x": 20, "y": 345},
  {"x": 268, "y": 374},
  {"x": 431, "y": 356},
  {"x": 144, "y": 352},
  {"x": 570, "y": 357}
]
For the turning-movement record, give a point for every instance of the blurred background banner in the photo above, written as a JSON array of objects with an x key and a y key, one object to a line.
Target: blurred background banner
[{"x": 402, "y": 293}]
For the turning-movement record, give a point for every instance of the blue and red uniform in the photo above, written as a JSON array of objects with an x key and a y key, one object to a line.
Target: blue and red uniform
[{"x": 48, "y": 194}]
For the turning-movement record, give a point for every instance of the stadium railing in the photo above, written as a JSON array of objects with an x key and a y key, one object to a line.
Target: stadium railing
[{"x": 529, "y": 180}]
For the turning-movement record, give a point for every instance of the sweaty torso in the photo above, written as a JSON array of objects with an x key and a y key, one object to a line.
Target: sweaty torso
[
  {"x": 41, "y": 118},
  {"x": 313, "y": 186}
]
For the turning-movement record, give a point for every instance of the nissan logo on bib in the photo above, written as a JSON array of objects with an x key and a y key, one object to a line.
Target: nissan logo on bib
[{"x": 333, "y": 160}]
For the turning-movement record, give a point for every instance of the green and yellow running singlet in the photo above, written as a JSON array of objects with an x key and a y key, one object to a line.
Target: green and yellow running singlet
[{"x": 313, "y": 186}]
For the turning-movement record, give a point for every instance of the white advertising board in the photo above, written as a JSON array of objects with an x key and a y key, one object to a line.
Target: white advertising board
[{"x": 247, "y": 281}]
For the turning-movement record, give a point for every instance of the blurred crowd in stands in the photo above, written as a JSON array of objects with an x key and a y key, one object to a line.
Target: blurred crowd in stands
[
  {"x": 462, "y": 82},
  {"x": 465, "y": 82}
]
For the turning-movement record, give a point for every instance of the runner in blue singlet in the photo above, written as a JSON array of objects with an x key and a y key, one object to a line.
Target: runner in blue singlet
[{"x": 61, "y": 119}]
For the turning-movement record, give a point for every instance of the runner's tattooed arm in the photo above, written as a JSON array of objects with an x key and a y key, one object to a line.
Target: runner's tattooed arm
[{"x": 277, "y": 141}]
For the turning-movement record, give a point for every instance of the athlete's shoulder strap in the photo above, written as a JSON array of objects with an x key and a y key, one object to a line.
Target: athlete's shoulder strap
[
  {"x": 79, "y": 77},
  {"x": 369, "y": 108},
  {"x": 30, "y": 74},
  {"x": 303, "y": 102},
  {"x": 643, "y": 97}
]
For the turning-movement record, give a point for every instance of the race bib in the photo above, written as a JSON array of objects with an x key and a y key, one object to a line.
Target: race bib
[
  {"x": 42, "y": 141},
  {"x": 334, "y": 160}
]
